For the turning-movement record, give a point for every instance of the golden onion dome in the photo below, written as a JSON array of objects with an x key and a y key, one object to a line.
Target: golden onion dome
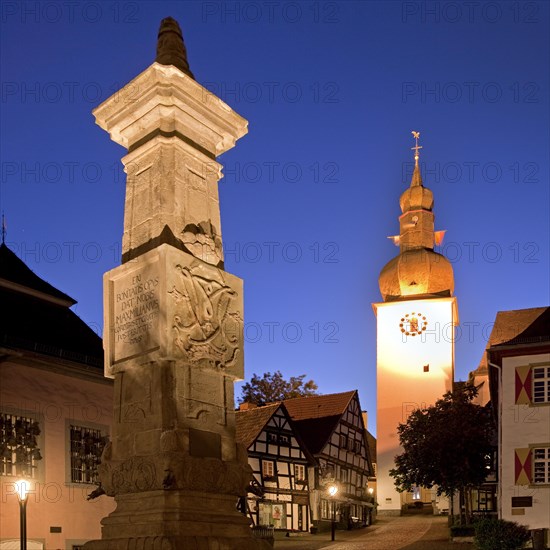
[{"x": 416, "y": 272}]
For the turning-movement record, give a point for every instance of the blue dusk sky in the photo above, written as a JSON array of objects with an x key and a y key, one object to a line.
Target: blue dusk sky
[{"x": 331, "y": 91}]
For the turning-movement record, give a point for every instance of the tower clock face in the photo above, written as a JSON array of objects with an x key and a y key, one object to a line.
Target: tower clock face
[{"x": 413, "y": 323}]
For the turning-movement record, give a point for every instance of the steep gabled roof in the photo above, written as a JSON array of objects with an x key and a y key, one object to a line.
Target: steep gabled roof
[
  {"x": 316, "y": 417},
  {"x": 23, "y": 279},
  {"x": 317, "y": 406},
  {"x": 250, "y": 423},
  {"x": 35, "y": 316},
  {"x": 521, "y": 326}
]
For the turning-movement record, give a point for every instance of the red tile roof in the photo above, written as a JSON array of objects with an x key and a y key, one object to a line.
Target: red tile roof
[
  {"x": 521, "y": 326},
  {"x": 316, "y": 417},
  {"x": 313, "y": 418},
  {"x": 250, "y": 423},
  {"x": 318, "y": 406}
]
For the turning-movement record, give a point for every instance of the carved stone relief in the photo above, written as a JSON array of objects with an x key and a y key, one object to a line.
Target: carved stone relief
[{"x": 207, "y": 321}]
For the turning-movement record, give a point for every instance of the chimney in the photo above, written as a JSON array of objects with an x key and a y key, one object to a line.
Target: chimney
[{"x": 247, "y": 406}]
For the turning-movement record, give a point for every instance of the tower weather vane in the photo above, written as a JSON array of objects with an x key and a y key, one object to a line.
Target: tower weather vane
[{"x": 416, "y": 136}]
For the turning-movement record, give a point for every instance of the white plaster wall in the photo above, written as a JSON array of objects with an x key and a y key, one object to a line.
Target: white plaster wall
[
  {"x": 522, "y": 426},
  {"x": 402, "y": 384}
]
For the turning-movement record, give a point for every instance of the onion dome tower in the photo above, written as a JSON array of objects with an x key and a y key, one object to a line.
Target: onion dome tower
[
  {"x": 417, "y": 270},
  {"x": 415, "y": 333}
]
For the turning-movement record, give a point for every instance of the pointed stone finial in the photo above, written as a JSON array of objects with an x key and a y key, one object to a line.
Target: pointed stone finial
[
  {"x": 416, "y": 178},
  {"x": 170, "y": 46}
]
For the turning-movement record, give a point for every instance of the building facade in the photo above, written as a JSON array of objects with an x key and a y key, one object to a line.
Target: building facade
[
  {"x": 332, "y": 429},
  {"x": 55, "y": 413},
  {"x": 518, "y": 357},
  {"x": 279, "y": 464},
  {"x": 297, "y": 449}
]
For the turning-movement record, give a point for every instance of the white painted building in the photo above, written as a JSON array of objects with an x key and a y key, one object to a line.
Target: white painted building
[{"x": 518, "y": 355}]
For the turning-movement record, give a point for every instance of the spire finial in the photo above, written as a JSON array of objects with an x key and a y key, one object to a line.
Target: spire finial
[
  {"x": 416, "y": 136},
  {"x": 4, "y": 228},
  {"x": 416, "y": 178},
  {"x": 170, "y": 46}
]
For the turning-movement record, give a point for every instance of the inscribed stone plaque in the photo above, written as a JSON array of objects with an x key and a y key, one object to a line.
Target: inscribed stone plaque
[{"x": 135, "y": 304}]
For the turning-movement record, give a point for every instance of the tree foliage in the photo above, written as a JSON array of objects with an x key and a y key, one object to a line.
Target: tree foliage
[
  {"x": 273, "y": 387},
  {"x": 447, "y": 445}
]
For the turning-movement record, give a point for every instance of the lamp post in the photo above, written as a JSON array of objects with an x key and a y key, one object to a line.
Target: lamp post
[
  {"x": 332, "y": 490},
  {"x": 22, "y": 494}
]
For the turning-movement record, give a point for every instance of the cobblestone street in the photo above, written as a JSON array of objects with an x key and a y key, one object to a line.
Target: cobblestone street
[{"x": 399, "y": 533}]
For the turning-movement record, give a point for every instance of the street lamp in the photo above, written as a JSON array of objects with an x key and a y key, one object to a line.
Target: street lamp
[
  {"x": 332, "y": 490},
  {"x": 22, "y": 494}
]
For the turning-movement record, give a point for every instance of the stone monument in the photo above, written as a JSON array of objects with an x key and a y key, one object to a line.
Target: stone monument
[{"x": 173, "y": 333}]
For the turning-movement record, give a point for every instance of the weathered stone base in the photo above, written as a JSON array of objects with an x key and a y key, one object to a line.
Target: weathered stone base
[{"x": 176, "y": 520}]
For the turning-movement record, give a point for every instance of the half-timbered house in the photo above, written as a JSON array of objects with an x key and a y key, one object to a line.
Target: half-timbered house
[
  {"x": 332, "y": 429},
  {"x": 280, "y": 467}
]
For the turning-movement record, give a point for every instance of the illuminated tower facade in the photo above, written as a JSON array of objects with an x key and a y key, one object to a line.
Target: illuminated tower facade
[{"x": 415, "y": 329}]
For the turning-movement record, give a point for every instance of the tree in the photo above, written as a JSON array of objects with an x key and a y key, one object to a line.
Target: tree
[
  {"x": 273, "y": 387},
  {"x": 447, "y": 445}
]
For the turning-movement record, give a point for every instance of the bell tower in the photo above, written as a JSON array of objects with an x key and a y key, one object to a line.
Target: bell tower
[{"x": 415, "y": 329}]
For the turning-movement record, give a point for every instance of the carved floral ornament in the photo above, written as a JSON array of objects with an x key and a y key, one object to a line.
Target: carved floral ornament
[
  {"x": 207, "y": 324},
  {"x": 172, "y": 471}
]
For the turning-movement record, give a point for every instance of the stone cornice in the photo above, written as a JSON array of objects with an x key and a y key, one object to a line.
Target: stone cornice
[{"x": 163, "y": 98}]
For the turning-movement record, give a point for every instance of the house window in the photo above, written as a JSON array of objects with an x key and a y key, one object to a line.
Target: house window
[
  {"x": 299, "y": 472},
  {"x": 86, "y": 446},
  {"x": 343, "y": 441},
  {"x": 268, "y": 469},
  {"x": 416, "y": 493},
  {"x": 271, "y": 437},
  {"x": 541, "y": 385},
  {"x": 284, "y": 440},
  {"x": 343, "y": 475},
  {"x": 357, "y": 446},
  {"x": 19, "y": 451},
  {"x": 325, "y": 509},
  {"x": 541, "y": 465}
]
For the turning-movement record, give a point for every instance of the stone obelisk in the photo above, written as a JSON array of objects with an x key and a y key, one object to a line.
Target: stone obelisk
[{"x": 173, "y": 333}]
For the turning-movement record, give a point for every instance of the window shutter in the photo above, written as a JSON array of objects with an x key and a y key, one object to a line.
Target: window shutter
[
  {"x": 524, "y": 385},
  {"x": 522, "y": 467}
]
